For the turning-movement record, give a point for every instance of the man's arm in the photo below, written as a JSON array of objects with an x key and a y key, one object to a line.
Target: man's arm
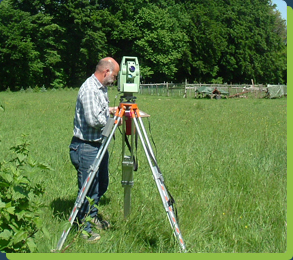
[{"x": 96, "y": 109}]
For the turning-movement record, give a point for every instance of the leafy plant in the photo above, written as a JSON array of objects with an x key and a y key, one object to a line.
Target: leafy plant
[{"x": 20, "y": 200}]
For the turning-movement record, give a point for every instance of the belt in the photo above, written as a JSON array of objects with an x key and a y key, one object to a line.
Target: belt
[{"x": 94, "y": 143}]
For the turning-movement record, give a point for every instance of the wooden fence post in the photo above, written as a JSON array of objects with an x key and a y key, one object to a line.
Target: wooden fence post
[{"x": 185, "y": 89}]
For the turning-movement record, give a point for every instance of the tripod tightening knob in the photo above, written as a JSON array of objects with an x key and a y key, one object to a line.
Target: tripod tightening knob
[{"x": 127, "y": 172}]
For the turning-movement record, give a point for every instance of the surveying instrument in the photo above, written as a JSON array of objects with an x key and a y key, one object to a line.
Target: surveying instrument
[{"x": 130, "y": 116}]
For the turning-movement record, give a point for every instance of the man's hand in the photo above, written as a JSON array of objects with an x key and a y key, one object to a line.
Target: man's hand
[{"x": 112, "y": 110}]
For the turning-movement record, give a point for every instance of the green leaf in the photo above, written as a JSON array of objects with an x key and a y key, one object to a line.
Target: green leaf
[
  {"x": 21, "y": 157},
  {"x": 39, "y": 222},
  {"x": 45, "y": 166},
  {"x": 19, "y": 236},
  {"x": 90, "y": 200},
  {"x": 46, "y": 232},
  {"x": 19, "y": 193},
  {"x": 85, "y": 232},
  {"x": 2, "y": 204},
  {"x": 20, "y": 215},
  {"x": 7, "y": 177},
  {"x": 4, "y": 244},
  {"x": 10, "y": 210},
  {"x": 14, "y": 227},
  {"x": 31, "y": 244},
  {"x": 4, "y": 184},
  {"x": 6, "y": 234},
  {"x": 88, "y": 218}
]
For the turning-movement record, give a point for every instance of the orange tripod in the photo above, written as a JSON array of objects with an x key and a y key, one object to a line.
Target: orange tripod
[{"x": 131, "y": 110}]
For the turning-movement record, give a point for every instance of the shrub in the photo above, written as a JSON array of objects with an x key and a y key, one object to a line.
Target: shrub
[{"x": 20, "y": 200}]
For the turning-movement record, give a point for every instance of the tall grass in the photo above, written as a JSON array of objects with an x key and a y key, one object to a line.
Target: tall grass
[{"x": 224, "y": 162}]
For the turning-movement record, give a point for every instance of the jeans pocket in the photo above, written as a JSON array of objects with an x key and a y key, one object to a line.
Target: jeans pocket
[{"x": 73, "y": 152}]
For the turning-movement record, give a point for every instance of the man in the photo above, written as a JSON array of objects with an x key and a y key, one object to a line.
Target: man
[{"x": 91, "y": 114}]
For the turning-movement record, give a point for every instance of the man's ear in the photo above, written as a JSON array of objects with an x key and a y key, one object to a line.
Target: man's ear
[{"x": 105, "y": 72}]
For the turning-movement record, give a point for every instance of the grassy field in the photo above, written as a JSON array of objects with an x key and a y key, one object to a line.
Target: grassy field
[{"x": 224, "y": 161}]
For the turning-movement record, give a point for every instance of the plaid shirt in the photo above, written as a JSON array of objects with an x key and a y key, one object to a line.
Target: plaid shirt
[{"x": 92, "y": 110}]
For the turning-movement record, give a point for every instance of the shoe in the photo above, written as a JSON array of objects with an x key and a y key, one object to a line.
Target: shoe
[
  {"x": 100, "y": 224},
  {"x": 91, "y": 237}
]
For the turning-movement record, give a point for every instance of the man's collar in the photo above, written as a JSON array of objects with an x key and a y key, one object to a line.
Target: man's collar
[{"x": 99, "y": 84}]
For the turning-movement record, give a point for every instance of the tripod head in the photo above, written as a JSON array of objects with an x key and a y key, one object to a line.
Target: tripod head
[
  {"x": 129, "y": 78},
  {"x": 127, "y": 99}
]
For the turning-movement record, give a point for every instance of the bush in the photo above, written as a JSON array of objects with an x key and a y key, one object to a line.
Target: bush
[{"x": 20, "y": 200}]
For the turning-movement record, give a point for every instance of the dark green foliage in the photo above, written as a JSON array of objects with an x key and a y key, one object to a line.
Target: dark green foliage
[
  {"x": 20, "y": 201},
  {"x": 58, "y": 43}
]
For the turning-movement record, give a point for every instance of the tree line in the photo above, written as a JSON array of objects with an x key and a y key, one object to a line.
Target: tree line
[{"x": 57, "y": 43}]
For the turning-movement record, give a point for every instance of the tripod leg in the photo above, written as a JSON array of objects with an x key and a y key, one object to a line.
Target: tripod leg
[
  {"x": 127, "y": 163},
  {"x": 127, "y": 183},
  {"x": 107, "y": 136},
  {"x": 145, "y": 135},
  {"x": 158, "y": 177}
]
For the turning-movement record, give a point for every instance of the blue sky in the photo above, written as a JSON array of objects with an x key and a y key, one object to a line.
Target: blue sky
[{"x": 281, "y": 7}]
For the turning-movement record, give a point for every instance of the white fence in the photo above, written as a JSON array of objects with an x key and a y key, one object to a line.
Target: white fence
[{"x": 190, "y": 90}]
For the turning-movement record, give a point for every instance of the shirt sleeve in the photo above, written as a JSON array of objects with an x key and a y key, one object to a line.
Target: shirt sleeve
[{"x": 95, "y": 108}]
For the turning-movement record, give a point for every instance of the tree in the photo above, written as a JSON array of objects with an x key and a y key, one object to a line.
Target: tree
[
  {"x": 161, "y": 41},
  {"x": 28, "y": 48},
  {"x": 58, "y": 43},
  {"x": 206, "y": 40},
  {"x": 18, "y": 51},
  {"x": 64, "y": 40}
]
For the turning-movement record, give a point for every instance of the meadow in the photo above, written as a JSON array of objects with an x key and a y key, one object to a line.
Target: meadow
[{"x": 224, "y": 162}]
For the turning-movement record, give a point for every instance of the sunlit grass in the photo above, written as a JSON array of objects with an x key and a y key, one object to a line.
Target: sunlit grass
[{"x": 224, "y": 161}]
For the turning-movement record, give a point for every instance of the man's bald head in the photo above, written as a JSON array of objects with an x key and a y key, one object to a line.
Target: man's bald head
[
  {"x": 107, "y": 70},
  {"x": 107, "y": 63}
]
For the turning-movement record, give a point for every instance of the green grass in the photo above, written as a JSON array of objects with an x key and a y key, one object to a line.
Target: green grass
[{"x": 224, "y": 161}]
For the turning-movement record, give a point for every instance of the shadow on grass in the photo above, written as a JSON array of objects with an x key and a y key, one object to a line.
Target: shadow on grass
[{"x": 64, "y": 206}]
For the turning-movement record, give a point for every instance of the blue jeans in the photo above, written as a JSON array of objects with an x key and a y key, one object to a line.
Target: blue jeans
[{"x": 82, "y": 155}]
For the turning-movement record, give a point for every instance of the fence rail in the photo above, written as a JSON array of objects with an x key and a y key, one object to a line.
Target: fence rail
[{"x": 191, "y": 90}]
